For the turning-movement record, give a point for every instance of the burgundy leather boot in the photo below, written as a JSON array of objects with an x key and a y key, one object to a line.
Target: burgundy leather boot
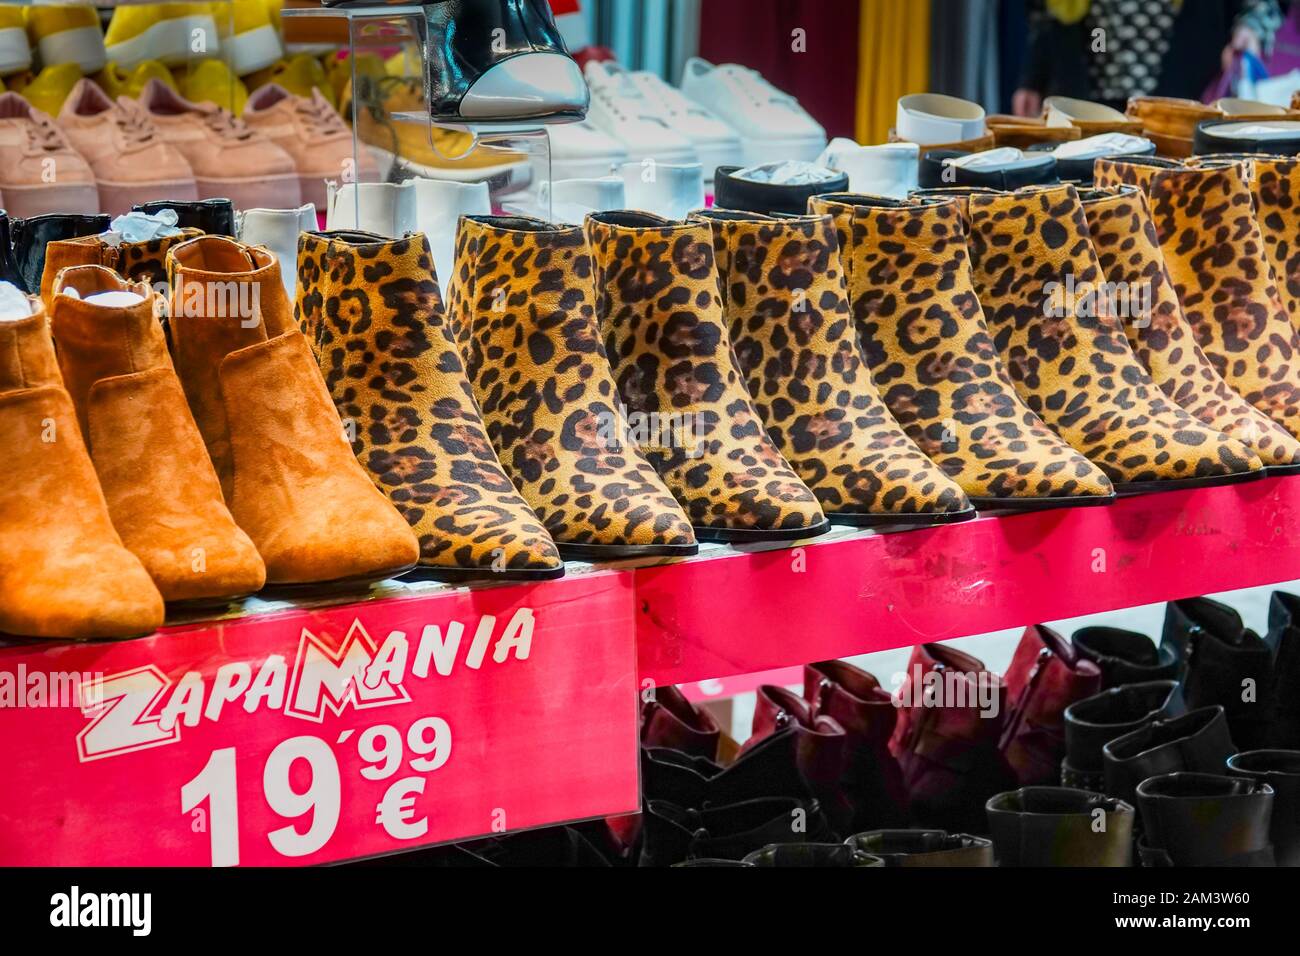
[
  {"x": 1127, "y": 657},
  {"x": 946, "y": 738},
  {"x": 1092, "y": 723},
  {"x": 1058, "y": 826},
  {"x": 1198, "y": 741},
  {"x": 670, "y": 720},
  {"x": 821, "y": 747},
  {"x": 1045, "y": 677},
  {"x": 924, "y": 848},
  {"x": 872, "y": 780},
  {"x": 1205, "y": 819}
]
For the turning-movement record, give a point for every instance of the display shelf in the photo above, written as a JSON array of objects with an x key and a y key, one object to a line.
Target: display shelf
[{"x": 279, "y": 714}]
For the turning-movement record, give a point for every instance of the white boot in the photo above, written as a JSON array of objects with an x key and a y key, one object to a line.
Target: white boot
[
  {"x": 671, "y": 190},
  {"x": 386, "y": 209},
  {"x": 438, "y": 206},
  {"x": 889, "y": 170},
  {"x": 278, "y": 230},
  {"x": 569, "y": 200}
]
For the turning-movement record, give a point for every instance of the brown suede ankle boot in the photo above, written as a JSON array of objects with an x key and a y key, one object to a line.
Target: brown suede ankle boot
[
  {"x": 163, "y": 496},
  {"x": 63, "y": 570},
  {"x": 136, "y": 261},
  {"x": 286, "y": 468},
  {"x": 661, "y": 317}
]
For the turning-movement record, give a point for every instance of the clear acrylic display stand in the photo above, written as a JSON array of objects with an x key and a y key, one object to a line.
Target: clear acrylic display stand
[
  {"x": 202, "y": 47},
  {"x": 391, "y": 118}
]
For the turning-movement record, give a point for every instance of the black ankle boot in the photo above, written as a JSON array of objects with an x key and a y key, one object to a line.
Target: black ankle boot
[
  {"x": 215, "y": 217},
  {"x": 672, "y": 833},
  {"x": 1057, "y": 826},
  {"x": 32, "y": 235},
  {"x": 1227, "y": 664},
  {"x": 769, "y": 769},
  {"x": 1284, "y": 641},
  {"x": 8, "y": 268},
  {"x": 1280, "y": 769},
  {"x": 916, "y": 848},
  {"x": 1197, "y": 742},
  {"x": 1091, "y": 724},
  {"x": 1203, "y": 819},
  {"x": 835, "y": 855},
  {"x": 1127, "y": 657}
]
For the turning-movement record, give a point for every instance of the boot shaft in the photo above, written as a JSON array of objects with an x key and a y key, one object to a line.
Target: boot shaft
[
  {"x": 1056, "y": 826},
  {"x": 1205, "y": 819},
  {"x": 27, "y": 358},
  {"x": 103, "y": 341}
]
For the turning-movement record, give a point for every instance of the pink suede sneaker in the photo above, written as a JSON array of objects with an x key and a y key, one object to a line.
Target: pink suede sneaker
[
  {"x": 130, "y": 161},
  {"x": 229, "y": 159},
  {"x": 313, "y": 133},
  {"x": 40, "y": 172}
]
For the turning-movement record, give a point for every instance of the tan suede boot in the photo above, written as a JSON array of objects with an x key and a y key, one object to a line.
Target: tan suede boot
[
  {"x": 163, "y": 496},
  {"x": 137, "y": 261},
  {"x": 63, "y": 570},
  {"x": 286, "y": 469}
]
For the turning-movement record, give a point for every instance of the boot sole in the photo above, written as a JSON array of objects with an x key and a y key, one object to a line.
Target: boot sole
[
  {"x": 207, "y": 603},
  {"x": 1281, "y": 471},
  {"x": 1187, "y": 484},
  {"x": 618, "y": 552},
  {"x": 1042, "y": 504},
  {"x": 484, "y": 575},
  {"x": 753, "y": 536},
  {"x": 903, "y": 520},
  {"x": 310, "y": 588}
]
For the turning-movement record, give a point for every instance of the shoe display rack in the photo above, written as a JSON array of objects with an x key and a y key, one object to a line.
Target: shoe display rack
[
  {"x": 390, "y": 115},
  {"x": 315, "y": 729}
]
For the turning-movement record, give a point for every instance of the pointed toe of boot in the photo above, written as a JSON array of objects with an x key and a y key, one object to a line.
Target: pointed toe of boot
[
  {"x": 774, "y": 515},
  {"x": 352, "y": 538},
  {"x": 210, "y": 567},
  {"x": 102, "y": 592}
]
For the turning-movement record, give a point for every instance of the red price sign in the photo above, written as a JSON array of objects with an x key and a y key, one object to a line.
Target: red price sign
[{"x": 310, "y": 736}]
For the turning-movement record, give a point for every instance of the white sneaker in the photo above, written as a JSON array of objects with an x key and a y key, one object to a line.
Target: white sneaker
[
  {"x": 619, "y": 109},
  {"x": 716, "y": 143},
  {"x": 671, "y": 191},
  {"x": 581, "y": 151},
  {"x": 278, "y": 230},
  {"x": 887, "y": 170},
  {"x": 772, "y": 125},
  {"x": 386, "y": 209}
]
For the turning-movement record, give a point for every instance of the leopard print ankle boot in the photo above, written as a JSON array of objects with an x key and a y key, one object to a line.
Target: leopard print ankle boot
[
  {"x": 787, "y": 311},
  {"x": 661, "y": 317},
  {"x": 372, "y": 312},
  {"x": 1132, "y": 261},
  {"x": 930, "y": 354},
  {"x": 524, "y": 307},
  {"x": 1205, "y": 217},
  {"x": 1038, "y": 278}
]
